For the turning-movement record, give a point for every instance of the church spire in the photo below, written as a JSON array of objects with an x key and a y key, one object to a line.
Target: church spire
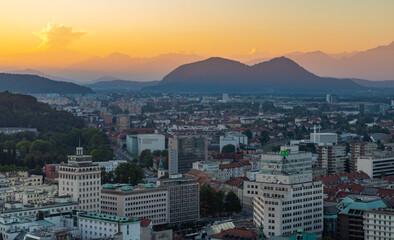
[
  {"x": 161, "y": 165},
  {"x": 261, "y": 235}
]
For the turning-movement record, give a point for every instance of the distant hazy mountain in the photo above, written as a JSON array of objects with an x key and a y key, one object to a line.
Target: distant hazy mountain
[
  {"x": 111, "y": 84},
  {"x": 375, "y": 84},
  {"x": 224, "y": 75},
  {"x": 122, "y": 66},
  {"x": 25, "y": 83},
  {"x": 373, "y": 64}
]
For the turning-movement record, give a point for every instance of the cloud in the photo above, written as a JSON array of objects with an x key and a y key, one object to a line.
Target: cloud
[
  {"x": 58, "y": 37},
  {"x": 254, "y": 50}
]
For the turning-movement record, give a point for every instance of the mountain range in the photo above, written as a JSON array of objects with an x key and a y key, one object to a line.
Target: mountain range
[
  {"x": 373, "y": 64},
  {"x": 223, "y": 75}
]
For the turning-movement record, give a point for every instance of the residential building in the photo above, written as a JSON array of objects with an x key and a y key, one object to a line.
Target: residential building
[
  {"x": 81, "y": 179},
  {"x": 41, "y": 226},
  {"x": 331, "y": 158},
  {"x": 51, "y": 205},
  {"x": 184, "y": 150},
  {"x": 95, "y": 225},
  {"x": 350, "y": 223},
  {"x": 22, "y": 178},
  {"x": 360, "y": 149},
  {"x": 143, "y": 201},
  {"x": 122, "y": 122},
  {"x": 378, "y": 165},
  {"x": 379, "y": 224}
]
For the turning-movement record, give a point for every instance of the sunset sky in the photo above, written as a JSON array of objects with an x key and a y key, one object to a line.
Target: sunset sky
[{"x": 147, "y": 28}]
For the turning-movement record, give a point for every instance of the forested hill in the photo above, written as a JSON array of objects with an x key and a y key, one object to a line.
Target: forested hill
[
  {"x": 59, "y": 134},
  {"x": 27, "y": 83},
  {"x": 19, "y": 110}
]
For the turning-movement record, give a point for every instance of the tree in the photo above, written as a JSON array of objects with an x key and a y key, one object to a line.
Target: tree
[
  {"x": 211, "y": 201},
  {"x": 248, "y": 133},
  {"x": 156, "y": 153},
  {"x": 146, "y": 158},
  {"x": 164, "y": 153},
  {"x": 229, "y": 148},
  {"x": 265, "y": 137},
  {"x": 232, "y": 203},
  {"x": 23, "y": 147},
  {"x": 128, "y": 173},
  {"x": 102, "y": 153}
]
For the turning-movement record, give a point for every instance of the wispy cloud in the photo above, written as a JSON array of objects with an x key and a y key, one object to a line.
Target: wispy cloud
[{"x": 58, "y": 37}]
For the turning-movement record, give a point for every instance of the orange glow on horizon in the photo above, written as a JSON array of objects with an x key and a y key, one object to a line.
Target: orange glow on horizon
[{"x": 209, "y": 28}]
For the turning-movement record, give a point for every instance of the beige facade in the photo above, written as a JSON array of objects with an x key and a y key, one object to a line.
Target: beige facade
[{"x": 81, "y": 179}]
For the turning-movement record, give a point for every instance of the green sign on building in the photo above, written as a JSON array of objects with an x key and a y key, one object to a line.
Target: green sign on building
[{"x": 284, "y": 153}]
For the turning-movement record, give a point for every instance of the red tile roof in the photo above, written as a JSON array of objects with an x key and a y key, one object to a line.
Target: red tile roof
[
  {"x": 236, "y": 181},
  {"x": 145, "y": 222},
  {"x": 235, "y": 233},
  {"x": 235, "y": 165}
]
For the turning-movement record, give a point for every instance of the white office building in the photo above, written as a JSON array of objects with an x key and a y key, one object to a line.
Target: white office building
[
  {"x": 287, "y": 202},
  {"x": 110, "y": 165},
  {"x": 80, "y": 179},
  {"x": 378, "y": 165},
  {"x": 324, "y": 138},
  {"x": 206, "y": 166},
  {"x": 152, "y": 142},
  {"x": 143, "y": 201},
  {"x": 300, "y": 161},
  {"x": 233, "y": 138}
]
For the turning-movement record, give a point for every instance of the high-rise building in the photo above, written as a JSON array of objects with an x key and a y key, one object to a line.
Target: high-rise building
[
  {"x": 287, "y": 202},
  {"x": 331, "y": 158},
  {"x": 122, "y": 122},
  {"x": 285, "y": 197},
  {"x": 332, "y": 98},
  {"x": 184, "y": 150},
  {"x": 360, "y": 149},
  {"x": 183, "y": 198},
  {"x": 81, "y": 179}
]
